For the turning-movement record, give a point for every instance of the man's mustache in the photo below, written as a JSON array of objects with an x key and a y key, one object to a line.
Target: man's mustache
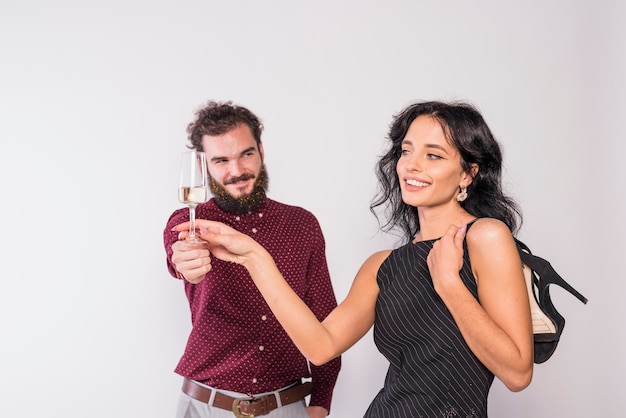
[{"x": 243, "y": 177}]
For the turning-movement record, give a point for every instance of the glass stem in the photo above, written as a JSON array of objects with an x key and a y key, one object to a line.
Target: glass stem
[{"x": 192, "y": 222}]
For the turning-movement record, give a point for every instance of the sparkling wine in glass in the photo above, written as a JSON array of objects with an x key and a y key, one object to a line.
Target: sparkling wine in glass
[{"x": 193, "y": 188}]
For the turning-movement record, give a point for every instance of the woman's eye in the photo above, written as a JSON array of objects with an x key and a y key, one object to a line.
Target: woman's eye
[
  {"x": 433, "y": 157},
  {"x": 404, "y": 152}
]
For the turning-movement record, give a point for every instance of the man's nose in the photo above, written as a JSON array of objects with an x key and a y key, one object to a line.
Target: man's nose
[{"x": 234, "y": 168}]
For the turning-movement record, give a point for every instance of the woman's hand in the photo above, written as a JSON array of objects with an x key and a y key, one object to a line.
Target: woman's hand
[
  {"x": 445, "y": 260},
  {"x": 224, "y": 242}
]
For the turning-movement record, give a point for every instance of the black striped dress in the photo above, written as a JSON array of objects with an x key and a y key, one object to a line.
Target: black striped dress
[{"x": 432, "y": 372}]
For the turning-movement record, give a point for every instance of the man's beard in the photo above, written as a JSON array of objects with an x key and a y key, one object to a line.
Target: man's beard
[{"x": 244, "y": 204}]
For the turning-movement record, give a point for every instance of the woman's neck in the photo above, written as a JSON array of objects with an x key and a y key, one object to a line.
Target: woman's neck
[{"x": 435, "y": 222}]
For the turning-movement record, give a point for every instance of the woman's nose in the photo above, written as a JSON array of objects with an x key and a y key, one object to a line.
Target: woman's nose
[{"x": 413, "y": 163}]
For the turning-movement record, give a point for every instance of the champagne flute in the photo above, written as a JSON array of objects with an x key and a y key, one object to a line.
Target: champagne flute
[{"x": 193, "y": 188}]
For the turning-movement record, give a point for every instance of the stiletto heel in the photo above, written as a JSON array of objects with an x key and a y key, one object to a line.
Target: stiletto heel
[{"x": 548, "y": 324}]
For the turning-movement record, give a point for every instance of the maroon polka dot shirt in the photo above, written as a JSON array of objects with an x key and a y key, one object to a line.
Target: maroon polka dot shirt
[{"x": 236, "y": 343}]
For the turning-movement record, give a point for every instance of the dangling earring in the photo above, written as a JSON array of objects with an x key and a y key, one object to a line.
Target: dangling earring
[{"x": 463, "y": 195}]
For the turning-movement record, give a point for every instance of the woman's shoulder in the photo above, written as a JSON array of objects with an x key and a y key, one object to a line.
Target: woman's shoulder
[
  {"x": 485, "y": 228},
  {"x": 378, "y": 257},
  {"x": 375, "y": 260},
  {"x": 488, "y": 233},
  {"x": 366, "y": 276}
]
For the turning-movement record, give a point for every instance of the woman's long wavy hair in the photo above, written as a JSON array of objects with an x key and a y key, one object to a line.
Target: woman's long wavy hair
[{"x": 468, "y": 132}]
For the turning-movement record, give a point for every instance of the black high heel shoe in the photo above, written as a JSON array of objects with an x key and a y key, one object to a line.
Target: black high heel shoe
[{"x": 547, "y": 322}]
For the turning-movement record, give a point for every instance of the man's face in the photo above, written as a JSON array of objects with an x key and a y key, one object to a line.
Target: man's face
[
  {"x": 235, "y": 165},
  {"x": 234, "y": 160}
]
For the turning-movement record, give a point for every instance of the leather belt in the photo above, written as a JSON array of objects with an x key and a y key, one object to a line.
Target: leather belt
[{"x": 248, "y": 406}]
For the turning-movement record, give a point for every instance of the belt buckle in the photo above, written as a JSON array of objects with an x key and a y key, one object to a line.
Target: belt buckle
[{"x": 236, "y": 409}]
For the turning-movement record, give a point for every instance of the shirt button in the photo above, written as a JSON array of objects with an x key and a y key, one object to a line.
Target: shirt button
[
  {"x": 254, "y": 380},
  {"x": 237, "y": 218},
  {"x": 261, "y": 348},
  {"x": 260, "y": 215},
  {"x": 263, "y": 318},
  {"x": 254, "y": 230}
]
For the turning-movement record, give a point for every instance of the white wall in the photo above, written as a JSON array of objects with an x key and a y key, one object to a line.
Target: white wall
[{"x": 94, "y": 101}]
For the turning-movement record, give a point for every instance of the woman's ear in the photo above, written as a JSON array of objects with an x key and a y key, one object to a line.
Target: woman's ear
[{"x": 468, "y": 176}]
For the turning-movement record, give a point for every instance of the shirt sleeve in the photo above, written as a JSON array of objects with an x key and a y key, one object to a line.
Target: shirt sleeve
[
  {"x": 170, "y": 237},
  {"x": 321, "y": 300}
]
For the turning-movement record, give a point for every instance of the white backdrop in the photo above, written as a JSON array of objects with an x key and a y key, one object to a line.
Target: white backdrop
[{"x": 94, "y": 101}]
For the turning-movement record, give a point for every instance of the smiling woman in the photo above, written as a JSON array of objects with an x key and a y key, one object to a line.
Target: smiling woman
[
  {"x": 423, "y": 297},
  {"x": 430, "y": 167},
  {"x": 451, "y": 143}
]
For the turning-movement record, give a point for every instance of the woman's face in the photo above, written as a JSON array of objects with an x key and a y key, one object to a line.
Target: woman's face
[{"x": 429, "y": 169}]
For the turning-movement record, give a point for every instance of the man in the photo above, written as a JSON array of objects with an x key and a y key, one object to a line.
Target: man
[{"x": 238, "y": 359}]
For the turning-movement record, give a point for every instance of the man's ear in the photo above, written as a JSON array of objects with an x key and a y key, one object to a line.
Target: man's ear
[{"x": 261, "y": 151}]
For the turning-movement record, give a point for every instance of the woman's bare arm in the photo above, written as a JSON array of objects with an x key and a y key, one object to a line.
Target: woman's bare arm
[
  {"x": 498, "y": 327},
  {"x": 318, "y": 341}
]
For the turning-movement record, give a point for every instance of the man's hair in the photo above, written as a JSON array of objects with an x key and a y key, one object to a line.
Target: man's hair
[{"x": 217, "y": 118}]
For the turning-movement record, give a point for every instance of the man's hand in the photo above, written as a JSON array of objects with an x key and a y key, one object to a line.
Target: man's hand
[
  {"x": 316, "y": 411},
  {"x": 192, "y": 261}
]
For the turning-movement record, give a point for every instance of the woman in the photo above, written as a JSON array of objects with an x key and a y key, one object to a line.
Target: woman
[{"x": 449, "y": 308}]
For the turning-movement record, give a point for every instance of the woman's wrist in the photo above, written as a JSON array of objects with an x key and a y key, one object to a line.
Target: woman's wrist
[{"x": 258, "y": 261}]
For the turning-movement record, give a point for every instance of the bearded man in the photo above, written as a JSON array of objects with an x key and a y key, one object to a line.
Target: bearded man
[{"x": 238, "y": 360}]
